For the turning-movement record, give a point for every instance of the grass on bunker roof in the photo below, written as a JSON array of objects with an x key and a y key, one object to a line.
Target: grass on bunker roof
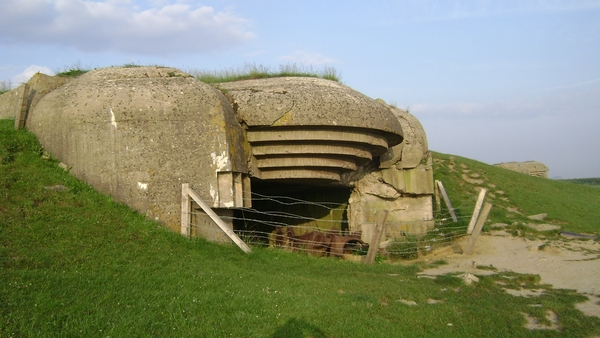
[
  {"x": 251, "y": 71},
  {"x": 76, "y": 263}
]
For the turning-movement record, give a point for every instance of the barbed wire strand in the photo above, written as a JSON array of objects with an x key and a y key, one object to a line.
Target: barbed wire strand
[{"x": 411, "y": 244}]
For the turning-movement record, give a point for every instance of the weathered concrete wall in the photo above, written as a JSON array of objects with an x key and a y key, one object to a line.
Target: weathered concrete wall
[
  {"x": 413, "y": 150},
  {"x": 137, "y": 134},
  {"x": 40, "y": 85},
  {"x": 9, "y": 102},
  {"x": 531, "y": 168},
  {"x": 403, "y": 185},
  {"x": 12, "y": 103}
]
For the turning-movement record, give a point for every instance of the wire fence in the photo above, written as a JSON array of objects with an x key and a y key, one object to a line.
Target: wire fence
[{"x": 321, "y": 228}]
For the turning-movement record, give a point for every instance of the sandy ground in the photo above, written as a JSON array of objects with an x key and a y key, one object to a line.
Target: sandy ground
[{"x": 565, "y": 264}]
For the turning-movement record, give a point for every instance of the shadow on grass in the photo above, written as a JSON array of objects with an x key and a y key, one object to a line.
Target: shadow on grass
[{"x": 298, "y": 328}]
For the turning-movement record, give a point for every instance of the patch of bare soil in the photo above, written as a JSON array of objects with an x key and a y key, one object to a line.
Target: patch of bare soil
[
  {"x": 565, "y": 264},
  {"x": 534, "y": 323}
]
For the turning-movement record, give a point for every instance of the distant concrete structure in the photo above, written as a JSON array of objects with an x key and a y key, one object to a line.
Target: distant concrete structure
[
  {"x": 532, "y": 168},
  {"x": 137, "y": 134}
]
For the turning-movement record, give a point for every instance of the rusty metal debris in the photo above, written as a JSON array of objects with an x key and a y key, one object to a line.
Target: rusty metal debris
[{"x": 319, "y": 243}]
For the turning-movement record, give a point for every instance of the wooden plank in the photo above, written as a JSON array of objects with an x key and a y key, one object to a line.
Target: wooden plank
[
  {"x": 438, "y": 204},
  {"x": 219, "y": 222},
  {"x": 476, "y": 210},
  {"x": 447, "y": 201},
  {"x": 374, "y": 244},
  {"x": 480, "y": 222},
  {"x": 186, "y": 208}
]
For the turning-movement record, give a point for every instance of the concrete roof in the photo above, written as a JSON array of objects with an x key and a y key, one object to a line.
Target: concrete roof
[{"x": 306, "y": 101}]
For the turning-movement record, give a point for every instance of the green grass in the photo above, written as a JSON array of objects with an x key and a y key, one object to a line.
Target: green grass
[
  {"x": 74, "y": 70},
  {"x": 76, "y": 263},
  {"x": 514, "y": 195},
  {"x": 594, "y": 182},
  {"x": 253, "y": 71}
]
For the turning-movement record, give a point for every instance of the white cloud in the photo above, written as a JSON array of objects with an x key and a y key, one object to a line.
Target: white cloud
[
  {"x": 122, "y": 26},
  {"x": 26, "y": 74},
  {"x": 306, "y": 58}
]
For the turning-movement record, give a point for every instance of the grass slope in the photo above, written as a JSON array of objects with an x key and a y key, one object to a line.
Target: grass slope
[
  {"x": 514, "y": 195},
  {"x": 75, "y": 263}
]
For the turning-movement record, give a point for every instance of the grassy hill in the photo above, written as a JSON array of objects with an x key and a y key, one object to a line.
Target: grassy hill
[
  {"x": 594, "y": 182},
  {"x": 515, "y": 196},
  {"x": 75, "y": 263}
]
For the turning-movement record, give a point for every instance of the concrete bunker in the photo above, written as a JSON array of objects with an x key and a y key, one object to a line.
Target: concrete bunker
[
  {"x": 137, "y": 134},
  {"x": 531, "y": 168}
]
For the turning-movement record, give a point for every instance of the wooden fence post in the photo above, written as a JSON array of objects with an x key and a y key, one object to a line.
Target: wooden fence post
[
  {"x": 476, "y": 210},
  {"x": 480, "y": 222},
  {"x": 374, "y": 244},
  {"x": 186, "y": 210},
  {"x": 238, "y": 241},
  {"x": 438, "y": 203},
  {"x": 21, "y": 112},
  {"x": 447, "y": 200}
]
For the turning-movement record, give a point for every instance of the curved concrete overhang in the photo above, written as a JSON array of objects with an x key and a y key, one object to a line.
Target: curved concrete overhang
[{"x": 310, "y": 128}]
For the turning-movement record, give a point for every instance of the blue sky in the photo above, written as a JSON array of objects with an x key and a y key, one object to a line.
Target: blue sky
[{"x": 495, "y": 81}]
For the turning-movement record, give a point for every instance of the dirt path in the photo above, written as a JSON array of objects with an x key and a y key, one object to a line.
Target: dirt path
[{"x": 565, "y": 264}]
